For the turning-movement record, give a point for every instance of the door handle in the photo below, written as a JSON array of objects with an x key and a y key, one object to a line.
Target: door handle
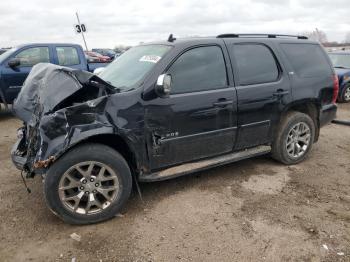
[
  {"x": 223, "y": 103},
  {"x": 281, "y": 92}
]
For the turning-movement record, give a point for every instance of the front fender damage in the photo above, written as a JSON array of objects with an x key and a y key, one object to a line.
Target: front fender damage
[
  {"x": 55, "y": 122},
  {"x": 61, "y": 130}
]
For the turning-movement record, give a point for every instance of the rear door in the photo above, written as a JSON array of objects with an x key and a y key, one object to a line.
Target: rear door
[
  {"x": 263, "y": 90},
  {"x": 68, "y": 55},
  {"x": 13, "y": 78},
  {"x": 198, "y": 119}
]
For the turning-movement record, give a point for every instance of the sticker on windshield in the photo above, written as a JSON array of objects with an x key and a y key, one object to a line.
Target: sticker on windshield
[{"x": 150, "y": 58}]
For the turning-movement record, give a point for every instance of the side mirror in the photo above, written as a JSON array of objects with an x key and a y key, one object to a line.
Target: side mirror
[
  {"x": 14, "y": 62},
  {"x": 163, "y": 86}
]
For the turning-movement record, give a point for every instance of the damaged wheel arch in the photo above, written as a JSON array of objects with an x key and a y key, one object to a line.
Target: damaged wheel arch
[{"x": 115, "y": 141}]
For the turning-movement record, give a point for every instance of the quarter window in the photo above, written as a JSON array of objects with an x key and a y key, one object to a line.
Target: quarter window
[
  {"x": 308, "y": 60},
  {"x": 256, "y": 64},
  {"x": 67, "y": 56},
  {"x": 33, "y": 56},
  {"x": 199, "y": 69}
]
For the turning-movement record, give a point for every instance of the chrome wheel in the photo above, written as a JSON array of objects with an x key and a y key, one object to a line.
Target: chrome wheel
[
  {"x": 347, "y": 94},
  {"x": 298, "y": 140},
  {"x": 88, "y": 187}
]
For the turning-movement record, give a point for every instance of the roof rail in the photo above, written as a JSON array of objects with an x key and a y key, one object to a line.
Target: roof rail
[{"x": 261, "y": 35}]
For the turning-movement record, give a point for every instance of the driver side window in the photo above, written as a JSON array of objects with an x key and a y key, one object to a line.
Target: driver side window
[
  {"x": 33, "y": 56},
  {"x": 198, "y": 69}
]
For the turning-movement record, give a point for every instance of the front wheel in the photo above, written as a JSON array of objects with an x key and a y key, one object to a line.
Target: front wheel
[
  {"x": 89, "y": 184},
  {"x": 294, "y": 138}
]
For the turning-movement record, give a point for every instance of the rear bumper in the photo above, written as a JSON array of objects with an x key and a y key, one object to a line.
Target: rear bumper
[{"x": 327, "y": 114}]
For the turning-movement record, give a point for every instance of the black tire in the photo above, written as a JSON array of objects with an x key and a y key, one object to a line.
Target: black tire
[
  {"x": 88, "y": 152},
  {"x": 342, "y": 97},
  {"x": 279, "y": 146}
]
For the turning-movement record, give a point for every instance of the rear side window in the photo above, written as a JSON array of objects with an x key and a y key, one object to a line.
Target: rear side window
[
  {"x": 199, "y": 69},
  {"x": 67, "y": 56},
  {"x": 307, "y": 60},
  {"x": 255, "y": 63}
]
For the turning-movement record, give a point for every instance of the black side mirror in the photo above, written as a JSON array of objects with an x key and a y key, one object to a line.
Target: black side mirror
[
  {"x": 163, "y": 86},
  {"x": 14, "y": 62}
]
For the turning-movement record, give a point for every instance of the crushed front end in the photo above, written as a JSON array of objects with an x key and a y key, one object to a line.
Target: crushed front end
[{"x": 58, "y": 106}]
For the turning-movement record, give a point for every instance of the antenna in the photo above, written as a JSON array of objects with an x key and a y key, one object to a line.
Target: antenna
[{"x": 171, "y": 38}]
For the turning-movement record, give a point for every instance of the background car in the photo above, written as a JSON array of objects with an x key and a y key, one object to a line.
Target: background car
[
  {"x": 3, "y": 50},
  {"x": 341, "y": 63},
  {"x": 99, "y": 57},
  {"x": 92, "y": 59},
  {"x": 106, "y": 52},
  {"x": 17, "y": 62}
]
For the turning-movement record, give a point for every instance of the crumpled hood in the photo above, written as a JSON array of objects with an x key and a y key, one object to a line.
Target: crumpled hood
[
  {"x": 46, "y": 86},
  {"x": 57, "y": 105}
]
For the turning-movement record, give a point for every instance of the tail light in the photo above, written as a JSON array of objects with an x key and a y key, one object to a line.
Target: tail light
[{"x": 335, "y": 88}]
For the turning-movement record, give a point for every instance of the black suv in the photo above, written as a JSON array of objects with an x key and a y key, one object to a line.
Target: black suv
[{"x": 167, "y": 109}]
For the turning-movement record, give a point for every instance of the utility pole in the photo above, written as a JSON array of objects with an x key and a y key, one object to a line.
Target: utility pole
[{"x": 82, "y": 30}]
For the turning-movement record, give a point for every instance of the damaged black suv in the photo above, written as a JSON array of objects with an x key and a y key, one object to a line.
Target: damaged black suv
[{"x": 167, "y": 109}]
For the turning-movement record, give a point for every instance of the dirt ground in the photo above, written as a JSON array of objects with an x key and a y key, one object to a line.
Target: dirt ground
[{"x": 254, "y": 210}]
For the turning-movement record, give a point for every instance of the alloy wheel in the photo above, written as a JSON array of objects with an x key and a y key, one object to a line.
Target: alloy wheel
[
  {"x": 298, "y": 140},
  {"x": 347, "y": 94},
  {"x": 88, "y": 188}
]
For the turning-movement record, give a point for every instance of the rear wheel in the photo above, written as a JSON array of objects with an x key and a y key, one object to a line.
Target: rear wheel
[
  {"x": 88, "y": 184},
  {"x": 294, "y": 138}
]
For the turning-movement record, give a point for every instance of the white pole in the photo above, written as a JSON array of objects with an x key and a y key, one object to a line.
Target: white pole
[{"x": 82, "y": 33}]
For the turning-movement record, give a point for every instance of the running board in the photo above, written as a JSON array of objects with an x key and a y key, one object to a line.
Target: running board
[{"x": 193, "y": 167}]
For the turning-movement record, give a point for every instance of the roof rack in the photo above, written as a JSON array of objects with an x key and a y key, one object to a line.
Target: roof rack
[{"x": 261, "y": 35}]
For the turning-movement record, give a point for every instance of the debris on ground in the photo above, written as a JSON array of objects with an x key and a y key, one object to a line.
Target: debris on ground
[
  {"x": 289, "y": 225},
  {"x": 75, "y": 236}
]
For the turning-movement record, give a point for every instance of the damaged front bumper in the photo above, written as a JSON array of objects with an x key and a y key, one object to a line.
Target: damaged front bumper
[
  {"x": 18, "y": 159},
  {"x": 54, "y": 121},
  {"x": 38, "y": 147}
]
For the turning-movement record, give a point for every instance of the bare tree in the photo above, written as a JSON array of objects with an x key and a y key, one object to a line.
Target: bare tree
[
  {"x": 121, "y": 48},
  {"x": 317, "y": 35},
  {"x": 347, "y": 38}
]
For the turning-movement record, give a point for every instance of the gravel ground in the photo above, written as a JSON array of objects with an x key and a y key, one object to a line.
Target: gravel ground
[{"x": 254, "y": 210}]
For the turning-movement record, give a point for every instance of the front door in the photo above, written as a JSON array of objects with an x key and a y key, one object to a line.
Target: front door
[
  {"x": 198, "y": 119},
  {"x": 263, "y": 90},
  {"x": 13, "y": 78}
]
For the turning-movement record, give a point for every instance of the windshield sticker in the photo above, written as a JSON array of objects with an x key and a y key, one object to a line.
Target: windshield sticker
[{"x": 150, "y": 58}]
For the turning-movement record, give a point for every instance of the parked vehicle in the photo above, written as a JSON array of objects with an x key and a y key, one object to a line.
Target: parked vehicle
[
  {"x": 92, "y": 59},
  {"x": 101, "y": 58},
  {"x": 3, "y": 50},
  {"x": 167, "y": 109},
  {"x": 16, "y": 63},
  {"x": 106, "y": 52},
  {"x": 341, "y": 63}
]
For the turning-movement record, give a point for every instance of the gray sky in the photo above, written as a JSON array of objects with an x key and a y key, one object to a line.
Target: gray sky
[{"x": 112, "y": 22}]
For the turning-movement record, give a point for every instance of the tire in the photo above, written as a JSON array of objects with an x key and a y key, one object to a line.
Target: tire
[
  {"x": 345, "y": 94},
  {"x": 89, "y": 169},
  {"x": 284, "y": 147}
]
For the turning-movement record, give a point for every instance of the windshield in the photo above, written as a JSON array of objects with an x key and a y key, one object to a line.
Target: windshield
[
  {"x": 340, "y": 60},
  {"x": 8, "y": 53},
  {"x": 133, "y": 65}
]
